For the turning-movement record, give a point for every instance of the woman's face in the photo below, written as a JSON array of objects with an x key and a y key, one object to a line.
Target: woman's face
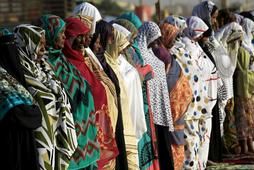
[
  {"x": 214, "y": 18},
  {"x": 41, "y": 47},
  {"x": 59, "y": 44},
  {"x": 97, "y": 45},
  {"x": 111, "y": 37}
]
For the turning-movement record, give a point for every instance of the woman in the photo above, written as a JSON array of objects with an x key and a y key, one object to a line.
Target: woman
[
  {"x": 148, "y": 153},
  {"x": 76, "y": 39},
  {"x": 198, "y": 68},
  {"x": 78, "y": 91},
  {"x": 112, "y": 55},
  {"x": 179, "y": 91},
  {"x": 208, "y": 12},
  {"x": 103, "y": 36},
  {"x": 149, "y": 32},
  {"x": 95, "y": 66},
  {"x": 19, "y": 114},
  {"x": 57, "y": 125},
  {"x": 229, "y": 37},
  {"x": 134, "y": 90}
]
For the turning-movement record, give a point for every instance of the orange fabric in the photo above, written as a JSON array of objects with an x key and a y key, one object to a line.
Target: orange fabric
[
  {"x": 180, "y": 98},
  {"x": 178, "y": 156}
]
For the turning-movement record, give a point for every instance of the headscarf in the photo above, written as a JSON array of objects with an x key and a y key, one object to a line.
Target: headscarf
[
  {"x": 196, "y": 27},
  {"x": 177, "y": 21},
  {"x": 157, "y": 86},
  {"x": 248, "y": 27},
  {"x": 133, "y": 18},
  {"x": 104, "y": 30},
  {"x": 79, "y": 93},
  {"x": 119, "y": 44},
  {"x": 4, "y": 32},
  {"x": 239, "y": 18},
  {"x": 48, "y": 92},
  {"x": 204, "y": 10},
  {"x": 54, "y": 25},
  {"x": 137, "y": 57},
  {"x": 128, "y": 25},
  {"x": 87, "y": 9},
  {"x": 9, "y": 58},
  {"x": 169, "y": 33},
  {"x": 122, "y": 30},
  {"x": 12, "y": 93},
  {"x": 88, "y": 20}
]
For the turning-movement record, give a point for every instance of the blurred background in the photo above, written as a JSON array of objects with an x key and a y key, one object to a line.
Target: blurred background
[{"x": 13, "y": 12}]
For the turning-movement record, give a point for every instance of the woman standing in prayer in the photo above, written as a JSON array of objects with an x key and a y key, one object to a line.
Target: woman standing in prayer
[
  {"x": 149, "y": 32},
  {"x": 103, "y": 36},
  {"x": 56, "y": 139},
  {"x": 78, "y": 91},
  {"x": 198, "y": 68},
  {"x": 76, "y": 39},
  {"x": 19, "y": 114},
  {"x": 147, "y": 147},
  {"x": 180, "y": 92},
  {"x": 229, "y": 37}
]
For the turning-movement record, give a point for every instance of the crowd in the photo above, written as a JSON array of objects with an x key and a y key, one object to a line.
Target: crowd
[{"x": 83, "y": 93}]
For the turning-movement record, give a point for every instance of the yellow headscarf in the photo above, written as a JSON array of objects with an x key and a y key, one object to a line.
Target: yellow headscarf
[{"x": 120, "y": 43}]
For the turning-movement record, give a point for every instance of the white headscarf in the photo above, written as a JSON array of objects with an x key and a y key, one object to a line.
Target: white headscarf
[
  {"x": 134, "y": 89},
  {"x": 196, "y": 27},
  {"x": 203, "y": 10},
  {"x": 248, "y": 27},
  {"x": 177, "y": 21},
  {"x": 239, "y": 18},
  {"x": 123, "y": 30},
  {"x": 157, "y": 86},
  {"x": 87, "y": 9},
  {"x": 229, "y": 37}
]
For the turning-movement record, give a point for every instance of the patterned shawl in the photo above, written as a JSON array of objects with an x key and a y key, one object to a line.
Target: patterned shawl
[
  {"x": 12, "y": 93},
  {"x": 80, "y": 96},
  {"x": 75, "y": 27},
  {"x": 177, "y": 21},
  {"x": 229, "y": 36},
  {"x": 196, "y": 27},
  {"x": 157, "y": 86},
  {"x": 248, "y": 27},
  {"x": 57, "y": 137},
  {"x": 87, "y": 9},
  {"x": 203, "y": 10}
]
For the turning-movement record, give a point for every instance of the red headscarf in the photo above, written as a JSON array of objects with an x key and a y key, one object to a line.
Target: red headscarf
[{"x": 75, "y": 27}]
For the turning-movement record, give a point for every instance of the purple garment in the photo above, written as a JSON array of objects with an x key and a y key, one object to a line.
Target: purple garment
[{"x": 163, "y": 55}]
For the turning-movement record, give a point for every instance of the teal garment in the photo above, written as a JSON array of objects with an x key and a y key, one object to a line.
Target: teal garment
[
  {"x": 132, "y": 17},
  {"x": 11, "y": 93},
  {"x": 4, "y": 31},
  {"x": 52, "y": 25}
]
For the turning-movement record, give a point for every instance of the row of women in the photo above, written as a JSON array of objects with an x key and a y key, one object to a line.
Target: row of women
[{"x": 82, "y": 93}]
